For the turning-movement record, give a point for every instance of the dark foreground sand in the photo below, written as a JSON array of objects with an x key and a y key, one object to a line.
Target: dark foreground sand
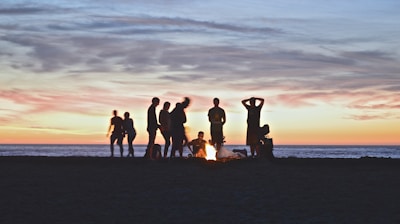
[{"x": 115, "y": 190}]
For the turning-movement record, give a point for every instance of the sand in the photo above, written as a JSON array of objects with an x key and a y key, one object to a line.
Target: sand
[{"x": 124, "y": 190}]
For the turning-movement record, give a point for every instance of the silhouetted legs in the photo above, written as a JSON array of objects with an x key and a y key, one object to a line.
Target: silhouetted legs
[
  {"x": 150, "y": 145},
  {"x": 167, "y": 138},
  {"x": 178, "y": 137},
  {"x": 177, "y": 144},
  {"x": 131, "y": 137},
  {"x": 254, "y": 149},
  {"x": 119, "y": 139},
  {"x": 217, "y": 136}
]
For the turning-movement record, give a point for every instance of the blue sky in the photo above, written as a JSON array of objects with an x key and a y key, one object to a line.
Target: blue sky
[{"x": 322, "y": 66}]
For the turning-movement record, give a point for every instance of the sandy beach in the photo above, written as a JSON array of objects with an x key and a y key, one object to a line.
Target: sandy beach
[{"x": 124, "y": 190}]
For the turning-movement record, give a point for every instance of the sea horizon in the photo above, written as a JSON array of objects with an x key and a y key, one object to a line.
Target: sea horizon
[{"x": 280, "y": 151}]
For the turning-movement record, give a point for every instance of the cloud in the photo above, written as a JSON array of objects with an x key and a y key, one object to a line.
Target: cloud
[
  {"x": 87, "y": 100},
  {"x": 376, "y": 106},
  {"x": 236, "y": 67},
  {"x": 373, "y": 115},
  {"x": 22, "y": 11},
  {"x": 190, "y": 24},
  {"x": 239, "y": 66},
  {"x": 49, "y": 54},
  {"x": 363, "y": 105},
  {"x": 366, "y": 117},
  {"x": 376, "y": 101},
  {"x": 32, "y": 9}
]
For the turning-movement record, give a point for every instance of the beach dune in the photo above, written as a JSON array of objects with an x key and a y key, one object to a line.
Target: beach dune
[{"x": 125, "y": 190}]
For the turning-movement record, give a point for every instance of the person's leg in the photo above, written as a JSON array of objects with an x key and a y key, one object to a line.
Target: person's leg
[
  {"x": 181, "y": 147},
  {"x": 167, "y": 138},
  {"x": 213, "y": 135},
  {"x": 219, "y": 138},
  {"x": 257, "y": 149},
  {"x": 112, "y": 140},
  {"x": 252, "y": 150},
  {"x": 150, "y": 145},
  {"x": 130, "y": 149},
  {"x": 181, "y": 141},
  {"x": 218, "y": 146},
  {"x": 175, "y": 143},
  {"x": 121, "y": 148}
]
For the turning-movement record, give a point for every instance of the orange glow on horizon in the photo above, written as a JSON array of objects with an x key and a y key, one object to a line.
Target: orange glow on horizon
[
  {"x": 92, "y": 130},
  {"x": 280, "y": 138}
]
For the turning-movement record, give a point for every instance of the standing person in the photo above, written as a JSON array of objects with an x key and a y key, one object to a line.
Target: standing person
[
  {"x": 117, "y": 133},
  {"x": 178, "y": 118},
  {"x": 152, "y": 126},
  {"x": 253, "y": 123},
  {"x": 129, "y": 129},
  {"x": 216, "y": 116},
  {"x": 165, "y": 126}
]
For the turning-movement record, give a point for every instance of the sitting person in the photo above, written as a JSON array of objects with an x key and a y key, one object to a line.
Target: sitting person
[
  {"x": 266, "y": 145},
  {"x": 198, "y": 145}
]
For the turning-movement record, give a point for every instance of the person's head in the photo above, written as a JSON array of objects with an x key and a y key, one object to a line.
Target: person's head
[
  {"x": 216, "y": 102},
  {"x": 166, "y": 105},
  {"x": 115, "y": 112},
  {"x": 126, "y": 115},
  {"x": 155, "y": 101},
  {"x": 200, "y": 135},
  {"x": 252, "y": 101}
]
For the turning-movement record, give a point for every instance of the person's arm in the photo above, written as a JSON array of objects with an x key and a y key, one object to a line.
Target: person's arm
[
  {"x": 132, "y": 125},
  {"x": 261, "y": 101},
  {"x": 244, "y": 102},
  {"x": 223, "y": 117},
  {"x": 109, "y": 129},
  {"x": 162, "y": 119},
  {"x": 189, "y": 144}
]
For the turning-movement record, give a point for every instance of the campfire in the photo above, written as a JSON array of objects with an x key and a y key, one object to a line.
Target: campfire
[
  {"x": 211, "y": 153},
  {"x": 224, "y": 154}
]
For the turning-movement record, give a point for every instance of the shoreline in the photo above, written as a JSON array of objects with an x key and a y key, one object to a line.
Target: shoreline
[
  {"x": 193, "y": 159},
  {"x": 279, "y": 151},
  {"x": 126, "y": 190}
]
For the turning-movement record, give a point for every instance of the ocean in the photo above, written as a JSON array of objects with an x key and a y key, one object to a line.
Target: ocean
[{"x": 280, "y": 151}]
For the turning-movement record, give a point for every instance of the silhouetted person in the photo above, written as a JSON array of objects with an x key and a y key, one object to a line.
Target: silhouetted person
[
  {"x": 185, "y": 104},
  {"x": 266, "y": 145},
  {"x": 198, "y": 145},
  {"x": 129, "y": 129},
  {"x": 253, "y": 123},
  {"x": 152, "y": 126},
  {"x": 216, "y": 116},
  {"x": 165, "y": 126},
  {"x": 117, "y": 133},
  {"x": 178, "y": 118}
]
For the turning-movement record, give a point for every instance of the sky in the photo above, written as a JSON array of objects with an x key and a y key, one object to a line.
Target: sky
[{"x": 328, "y": 70}]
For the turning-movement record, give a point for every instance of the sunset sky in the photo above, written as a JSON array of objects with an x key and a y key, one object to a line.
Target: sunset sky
[{"x": 329, "y": 71}]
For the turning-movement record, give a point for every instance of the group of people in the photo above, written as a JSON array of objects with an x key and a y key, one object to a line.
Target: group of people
[
  {"x": 122, "y": 127},
  {"x": 171, "y": 126}
]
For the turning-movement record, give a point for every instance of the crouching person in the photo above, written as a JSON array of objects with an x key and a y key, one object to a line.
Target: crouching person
[{"x": 198, "y": 146}]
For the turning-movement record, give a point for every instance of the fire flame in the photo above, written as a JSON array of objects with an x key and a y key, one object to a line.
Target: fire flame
[{"x": 211, "y": 153}]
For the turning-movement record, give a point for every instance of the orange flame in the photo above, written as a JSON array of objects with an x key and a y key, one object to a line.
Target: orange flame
[{"x": 211, "y": 153}]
